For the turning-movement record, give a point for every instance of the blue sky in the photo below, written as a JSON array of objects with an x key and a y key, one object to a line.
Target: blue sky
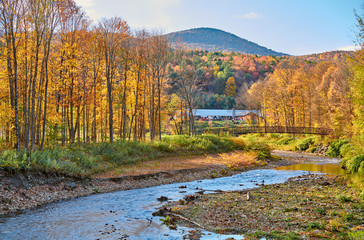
[{"x": 295, "y": 27}]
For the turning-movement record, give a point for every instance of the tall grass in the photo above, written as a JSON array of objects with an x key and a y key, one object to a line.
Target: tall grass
[{"x": 88, "y": 159}]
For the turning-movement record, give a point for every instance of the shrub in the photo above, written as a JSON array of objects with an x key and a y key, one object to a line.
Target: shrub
[
  {"x": 356, "y": 164},
  {"x": 286, "y": 140},
  {"x": 334, "y": 148},
  {"x": 304, "y": 144},
  {"x": 346, "y": 151},
  {"x": 239, "y": 143},
  {"x": 163, "y": 147},
  {"x": 273, "y": 135},
  {"x": 262, "y": 149}
]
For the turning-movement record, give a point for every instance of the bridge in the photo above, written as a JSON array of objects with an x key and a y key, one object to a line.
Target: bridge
[{"x": 267, "y": 129}]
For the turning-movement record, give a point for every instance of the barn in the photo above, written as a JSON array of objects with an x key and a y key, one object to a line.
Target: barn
[{"x": 221, "y": 114}]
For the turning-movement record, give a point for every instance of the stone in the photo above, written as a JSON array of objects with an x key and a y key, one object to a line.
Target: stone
[{"x": 162, "y": 199}]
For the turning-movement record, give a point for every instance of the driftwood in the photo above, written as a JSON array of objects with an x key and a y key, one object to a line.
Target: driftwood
[
  {"x": 185, "y": 219},
  {"x": 168, "y": 212}
]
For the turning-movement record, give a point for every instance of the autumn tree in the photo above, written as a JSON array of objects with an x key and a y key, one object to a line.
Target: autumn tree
[
  {"x": 140, "y": 56},
  {"x": 357, "y": 87},
  {"x": 159, "y": 58},
  {"x": 189, "y": 79},
  {"x": 12, "y": 12},
  {"x": 112, "y": 35},
  {"x": 73, "y": 22},
  {"x": 230, "y": 87}
]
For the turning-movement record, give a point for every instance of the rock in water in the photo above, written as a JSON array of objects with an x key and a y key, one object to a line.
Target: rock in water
[{"x": 162, "y": 199}]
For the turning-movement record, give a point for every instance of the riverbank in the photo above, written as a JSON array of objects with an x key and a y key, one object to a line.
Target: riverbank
[
  {"x": 306, "y": 207},
  {"x": 88, "y": 159},
  {"x": 29, "y": 189}
]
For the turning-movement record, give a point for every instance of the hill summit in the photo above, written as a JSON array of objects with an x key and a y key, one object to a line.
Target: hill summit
[{"x": 213, "y": 40}]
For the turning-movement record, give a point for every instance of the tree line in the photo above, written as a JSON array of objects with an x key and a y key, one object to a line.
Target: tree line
[
  {"x": 301, "y": 93},
  {"x": 65, "y": 79}
]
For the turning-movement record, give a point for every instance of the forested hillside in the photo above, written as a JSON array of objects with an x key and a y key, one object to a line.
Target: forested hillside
[
  {"x": 213, "y": 40},
  {"x": 225, "y": 78}
]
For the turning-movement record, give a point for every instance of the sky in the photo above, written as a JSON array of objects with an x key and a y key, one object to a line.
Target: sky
[{"x": 295, "y": 27}]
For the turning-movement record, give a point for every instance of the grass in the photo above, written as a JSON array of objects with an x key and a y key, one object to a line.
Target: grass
[
  {"x": 287, "y": 141},
  {"x": 89, "y": 159}
]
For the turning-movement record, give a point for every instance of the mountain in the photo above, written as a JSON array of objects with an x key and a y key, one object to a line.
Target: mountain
[{"x": 213, "y": 40}]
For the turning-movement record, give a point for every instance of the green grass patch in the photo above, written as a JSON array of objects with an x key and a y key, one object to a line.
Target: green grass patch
[{"x": 93, "y": 158}]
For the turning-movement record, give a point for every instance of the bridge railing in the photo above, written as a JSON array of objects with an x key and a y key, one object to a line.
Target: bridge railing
[{"x": 267, "y": 129}]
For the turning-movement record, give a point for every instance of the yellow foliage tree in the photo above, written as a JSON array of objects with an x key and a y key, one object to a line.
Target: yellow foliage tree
[{"x": 230, "y": 87}]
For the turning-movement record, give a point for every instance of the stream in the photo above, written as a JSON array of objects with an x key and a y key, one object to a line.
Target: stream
[{"x": 128, "y": 214}]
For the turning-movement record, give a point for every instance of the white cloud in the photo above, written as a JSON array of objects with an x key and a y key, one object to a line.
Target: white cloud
[
  {"x": 138, "y": 13},
  {"x": 250, "y": 16},
  {"x": 349, "y": 48},
  {"x": 89, "y": 8},
  {"x": 85, "y": 3}
]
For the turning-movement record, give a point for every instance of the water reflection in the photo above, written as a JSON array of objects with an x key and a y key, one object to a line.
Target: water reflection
[{"x": 330, "y": 168}]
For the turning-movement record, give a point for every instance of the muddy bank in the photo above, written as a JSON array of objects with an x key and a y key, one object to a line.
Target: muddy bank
[
  {"x": 18, "y": 193},
  {"x": 29, "y": 189}
]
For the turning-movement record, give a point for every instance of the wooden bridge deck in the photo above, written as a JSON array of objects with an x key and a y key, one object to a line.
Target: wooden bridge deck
[{"x": 267, "y": 129}]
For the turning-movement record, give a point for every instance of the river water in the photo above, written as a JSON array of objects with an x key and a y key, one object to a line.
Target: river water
[{"x": 128, "y": 214}]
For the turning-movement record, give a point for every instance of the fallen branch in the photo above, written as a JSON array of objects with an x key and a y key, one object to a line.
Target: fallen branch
[{"x": 185, "y": 219}]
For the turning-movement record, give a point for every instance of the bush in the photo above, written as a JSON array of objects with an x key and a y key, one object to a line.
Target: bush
[
  {"x": 286, "y": 140},
  {"x": 356, "y": 164},
  {"x": 204, "y": 143},
  {"x": 334, "y": 148},
  {"x": 273, "y": 135},
  {"x": 164, "y": 147},
  {"x": 346, "y": 151},
  {"x": 239, "y": 143},
  {"x": 304, "y": 144},
  {"x": 262, "y": 149}
]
